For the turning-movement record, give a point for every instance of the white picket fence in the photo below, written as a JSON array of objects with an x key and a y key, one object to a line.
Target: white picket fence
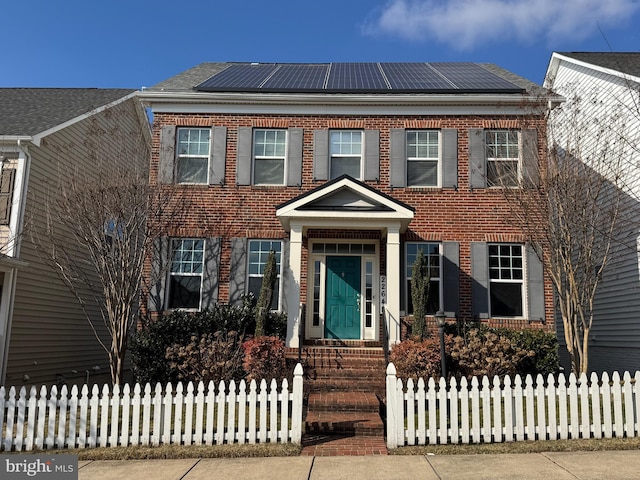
[
  {"x": 191, "y": 415},
  {"x": 481, "y": 411}
]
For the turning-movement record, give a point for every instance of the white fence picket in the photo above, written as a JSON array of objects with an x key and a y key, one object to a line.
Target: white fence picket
[
  {"x": 481, "y": 411},
  {"x": 59, "y": 419}
]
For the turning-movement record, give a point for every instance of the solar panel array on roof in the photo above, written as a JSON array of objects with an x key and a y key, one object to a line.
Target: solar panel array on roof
[{"x": 358, "y": 77}]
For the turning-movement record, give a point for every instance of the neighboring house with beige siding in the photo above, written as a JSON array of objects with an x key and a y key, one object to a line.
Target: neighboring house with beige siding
[
  {"x": 45, "y": 132},
  {"x": 605, "y": 87}
]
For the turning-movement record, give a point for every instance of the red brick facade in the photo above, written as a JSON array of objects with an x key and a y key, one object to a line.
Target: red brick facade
[{"x": 461, "y": 215}]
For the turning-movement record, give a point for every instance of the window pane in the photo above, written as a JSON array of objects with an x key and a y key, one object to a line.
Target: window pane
[
  {"x": 192, "y": 170},
  {"x": 502, "y": 173},
  {"x": 345, "y": 166},
  {"x": 422, "y": 173},
  {"x": 184, "y": 291},
  {"x": 346, "y": 142},
  {"x": 269, "y": 172},
  {"x": 506, "y": 299}
]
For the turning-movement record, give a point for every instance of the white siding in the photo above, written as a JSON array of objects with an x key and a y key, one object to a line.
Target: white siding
[{"x": 604, "y": 98}]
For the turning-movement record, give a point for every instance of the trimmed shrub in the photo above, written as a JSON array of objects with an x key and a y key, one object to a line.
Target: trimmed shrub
[
  {"x": 544, "y": 346},
  {"x": 485, "y": 352},
  {"x": 211, "y": 357},
  {"x": 416, "y": 359},
  {"x": 149, "y": 344},
  {"x": 264, "y": 357}
]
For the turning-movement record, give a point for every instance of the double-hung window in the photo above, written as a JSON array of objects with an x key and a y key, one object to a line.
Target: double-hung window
[
  {"x": 432, "y": 254},
  {"x": 185, "y": 273},
  {"x": 269, "y": 153},
  {"x": 345, "y": 148},
  {"x": 258, "y": 255},
  {"x": 506, "y": 280},
  {"x": 423, "y": 155},
  {"x": 192, "y": 155},
  {"x": 503, "y": 158}
]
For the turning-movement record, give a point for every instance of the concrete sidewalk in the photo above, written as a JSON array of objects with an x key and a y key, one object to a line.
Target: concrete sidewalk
[{"x": 549, "y": 466}]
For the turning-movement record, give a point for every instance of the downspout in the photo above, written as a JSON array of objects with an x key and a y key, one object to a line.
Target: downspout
[{"x": 14, "y": 276}]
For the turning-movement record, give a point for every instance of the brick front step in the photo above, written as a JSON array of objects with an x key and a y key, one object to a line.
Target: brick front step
[
  {"x": 355, "y": 423},
  {"x": 343, "y": 402}
]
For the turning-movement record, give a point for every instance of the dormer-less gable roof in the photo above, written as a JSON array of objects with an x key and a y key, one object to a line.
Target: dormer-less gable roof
[
  {"x": 627, "y": 63},
  {"x": 345, "y": 201},
  {"x": 28, "y": 112}
]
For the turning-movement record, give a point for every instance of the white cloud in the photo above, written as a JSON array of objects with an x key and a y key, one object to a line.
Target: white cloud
[{"x": 464, "y": 24}]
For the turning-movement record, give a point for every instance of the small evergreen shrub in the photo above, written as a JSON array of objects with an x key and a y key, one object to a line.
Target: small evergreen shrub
[
  {"x": 544, "y": 346},
  {"x": 264, "y": 357},
  {"x": 211, "y": 357}
]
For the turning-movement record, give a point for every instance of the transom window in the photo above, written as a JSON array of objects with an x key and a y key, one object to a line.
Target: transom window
[
  {"x": 503, "y": 157},
  {"x": 431, "y": 252},
  {"x": 192, "y": 150},
  {"x": 269, "y": 153},
  {"x": 258, "y": 255},
  {"x": 346, "y": 153},
  {"x": 185, "y": 274},
  {"x": 506, "y": 278},
  {"x": 423, "y": 154}
]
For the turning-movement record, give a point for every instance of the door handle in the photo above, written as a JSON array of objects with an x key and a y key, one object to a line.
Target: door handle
[{"x": 358, "y": 301}]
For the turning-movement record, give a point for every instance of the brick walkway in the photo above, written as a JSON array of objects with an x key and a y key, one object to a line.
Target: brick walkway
[{"x": 319, "y": 445}]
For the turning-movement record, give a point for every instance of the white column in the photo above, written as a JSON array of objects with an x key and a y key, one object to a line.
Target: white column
[
  {"x": 293, "y": 286},
  {"x": 393, "y": 285}
]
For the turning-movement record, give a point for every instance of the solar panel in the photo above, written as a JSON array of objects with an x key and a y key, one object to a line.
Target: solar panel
[
  {"x": 238, "y": 77},
  {"x": 471, "y": 76},
  {"x": 356, "y": 76},
  {"x": 300, "y": 77},
  {"x": 414, "y": 76}
]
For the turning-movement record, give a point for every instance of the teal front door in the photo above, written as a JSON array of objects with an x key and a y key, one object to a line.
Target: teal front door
[{"x": 342, "y": 316}]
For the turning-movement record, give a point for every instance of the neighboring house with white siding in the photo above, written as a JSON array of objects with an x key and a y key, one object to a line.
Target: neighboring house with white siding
[
  {"x": 44, "y": 334},
  {"x": 605, "y": 87}
]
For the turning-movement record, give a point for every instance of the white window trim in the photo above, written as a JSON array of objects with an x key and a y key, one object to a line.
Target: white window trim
[
  {"x": 523, "y": 282},
  {"x": 171, "y": 274},
  {"x": 361, "y": 155},
  {"x": 178, "y": 156},
  {"x": 407, "y": 294},
  {"x": 518, "y": 159},
  {"x": 438, "y": 160},
  {"x": 280, "y": 277},
  {"x": 284, "y": 158}
]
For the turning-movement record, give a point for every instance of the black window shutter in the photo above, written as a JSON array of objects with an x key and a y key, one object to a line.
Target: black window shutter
[
  {"x": 244, "y": 156},
  {"x": 217, "y": 160},
  {"x": 294, "y": 173},
  {"x": 397, "y": 158},
  {"x": 7, "y": 181},
  {"x": 479, "y": 280},
  {"x": 372, "y": 155},
  {"x": 449, "y": 158},
  {"x": 320, "y": 154},
  {"x": 477, "y": 159},
  {"x": 167, "y": 153}
]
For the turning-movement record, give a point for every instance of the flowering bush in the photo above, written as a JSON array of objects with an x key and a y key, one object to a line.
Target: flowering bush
[{"x": 264, "y": 357}]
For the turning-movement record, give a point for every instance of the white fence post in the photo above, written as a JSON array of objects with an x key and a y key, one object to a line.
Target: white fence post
[
  {"x": 296, "y": 405},
  {"x": 392, "y": 409}
]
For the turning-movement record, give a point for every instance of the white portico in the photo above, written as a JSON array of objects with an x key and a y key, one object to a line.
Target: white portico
[{"x": 343, "y": 294}]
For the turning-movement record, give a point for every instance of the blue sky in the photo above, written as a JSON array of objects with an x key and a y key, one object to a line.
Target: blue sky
[{"x": 134, "y": 44}]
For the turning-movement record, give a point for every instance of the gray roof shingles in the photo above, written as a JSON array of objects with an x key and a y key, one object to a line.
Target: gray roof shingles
[
  {"x": 187, "y": 80},
  {"x": 29, "y": 111},
  {"x": 624, "y": 62}
]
